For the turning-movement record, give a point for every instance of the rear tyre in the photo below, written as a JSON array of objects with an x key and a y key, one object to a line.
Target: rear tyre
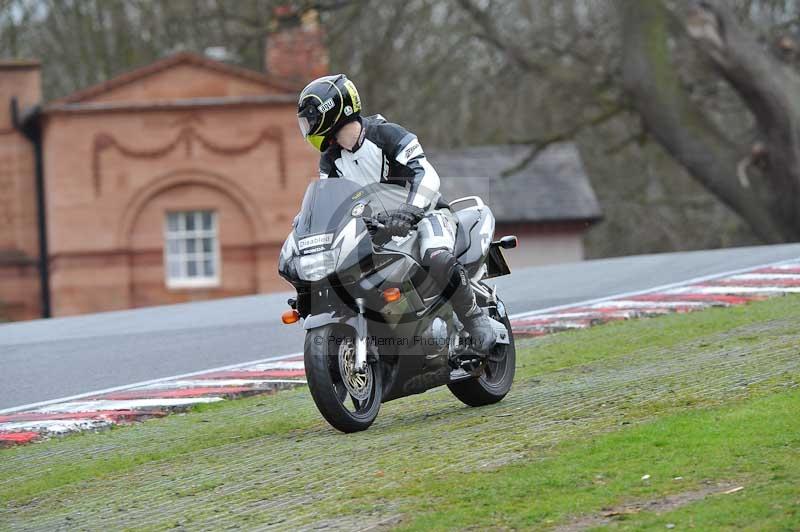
[
  {"x": 495, "y": 382},
  {"x": 349, "y": 401}
]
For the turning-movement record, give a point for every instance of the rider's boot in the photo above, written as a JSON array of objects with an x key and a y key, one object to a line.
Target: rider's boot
[
  {"x": 452, "y": 277},
  {"x": 473, "y": 317}
]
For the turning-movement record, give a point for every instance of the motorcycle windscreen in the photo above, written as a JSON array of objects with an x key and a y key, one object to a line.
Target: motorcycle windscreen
[{"x": 329, "y": 203}]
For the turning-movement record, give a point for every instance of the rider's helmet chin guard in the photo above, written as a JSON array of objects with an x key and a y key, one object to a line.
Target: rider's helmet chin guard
[{"x": 324, "y": 106}]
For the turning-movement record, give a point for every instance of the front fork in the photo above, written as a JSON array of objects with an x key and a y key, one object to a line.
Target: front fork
[{"x": 361, "y": 337}]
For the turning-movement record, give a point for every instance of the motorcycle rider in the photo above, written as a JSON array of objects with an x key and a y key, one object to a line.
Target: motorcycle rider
[{"x": 369, "y": 150}]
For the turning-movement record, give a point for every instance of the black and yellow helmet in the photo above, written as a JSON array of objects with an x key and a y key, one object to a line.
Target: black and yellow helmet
[{"x": 325, "y": 105}]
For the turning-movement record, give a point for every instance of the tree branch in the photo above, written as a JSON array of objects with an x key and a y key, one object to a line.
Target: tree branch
[
  {"x": 539, "y": 145},
  {"x": 765, "y": 84},
  {"x": 638, "y": 137},
  {"x": 770, "y": 89},
  {"x": 679, "y": 125},
  {"x": 492, "y": 35}
]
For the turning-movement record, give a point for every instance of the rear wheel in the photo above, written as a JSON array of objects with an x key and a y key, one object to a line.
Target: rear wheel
[
  {"x": 347, "y": 399},
  {"x": 498, "y": 375}
]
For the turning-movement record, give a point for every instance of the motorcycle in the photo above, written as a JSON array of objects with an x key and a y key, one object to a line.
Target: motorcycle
[{"x": 377, "y": 327}]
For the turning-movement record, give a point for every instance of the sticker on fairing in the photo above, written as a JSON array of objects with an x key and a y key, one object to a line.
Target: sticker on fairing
[{"x": 316, "y": 240}]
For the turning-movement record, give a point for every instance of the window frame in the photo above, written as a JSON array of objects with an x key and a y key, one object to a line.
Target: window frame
[{"x": 184, "y": 235}]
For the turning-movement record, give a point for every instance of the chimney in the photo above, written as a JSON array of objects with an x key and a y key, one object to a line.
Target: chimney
[{"x": 295, "y": 48}]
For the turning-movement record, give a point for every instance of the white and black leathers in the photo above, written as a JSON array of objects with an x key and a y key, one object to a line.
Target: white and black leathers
[{"x": 386, "y": 153}]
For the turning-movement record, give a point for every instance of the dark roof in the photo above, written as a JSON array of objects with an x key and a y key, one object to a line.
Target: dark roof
[{"x": 553, "y": 187}]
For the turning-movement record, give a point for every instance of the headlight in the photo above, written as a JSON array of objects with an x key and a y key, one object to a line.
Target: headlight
[{"x": 318, "y": 265}]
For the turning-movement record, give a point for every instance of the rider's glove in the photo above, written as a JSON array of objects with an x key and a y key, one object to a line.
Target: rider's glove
[{"x": 404, "y": 219}]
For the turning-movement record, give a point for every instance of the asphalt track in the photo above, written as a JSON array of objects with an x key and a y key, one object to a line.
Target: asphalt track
[{"x": 47, "y": 359}]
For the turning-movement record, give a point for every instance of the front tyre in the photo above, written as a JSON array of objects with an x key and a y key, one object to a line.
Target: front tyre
[
  {"x": 498, "y": 375},
  {"x": 348, "y": 400}
]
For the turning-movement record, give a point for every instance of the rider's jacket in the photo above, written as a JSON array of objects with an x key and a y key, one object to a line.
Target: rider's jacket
[{"x": 385, "y": 153}]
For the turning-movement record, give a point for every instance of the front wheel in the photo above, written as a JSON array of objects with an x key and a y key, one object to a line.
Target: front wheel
[
  {"x": 347, "y": 399},
  {"x": 498, "y": 375}
]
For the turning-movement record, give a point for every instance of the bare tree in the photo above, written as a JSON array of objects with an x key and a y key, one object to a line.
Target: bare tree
[
  {"x": 714, "y": 86},
  {"x": 760, "y": 180},
  {"x": 757, "y": 176},
  {"x": 86, "y": 41},
  {"x": 446, "y": 73}
]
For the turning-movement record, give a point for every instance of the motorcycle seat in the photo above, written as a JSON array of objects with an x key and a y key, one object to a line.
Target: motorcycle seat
[{"x": 467, "y": 218}]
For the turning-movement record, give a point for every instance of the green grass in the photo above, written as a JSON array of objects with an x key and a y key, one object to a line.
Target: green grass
[
  {"x": 205, "y": 426},
  {"x": 754, "y": 444},
  {"x": 702, "y": 396},
  {"x": 620, "y": 338}
]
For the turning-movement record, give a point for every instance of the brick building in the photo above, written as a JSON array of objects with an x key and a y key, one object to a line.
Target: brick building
[{"x": 173, "y": 182}]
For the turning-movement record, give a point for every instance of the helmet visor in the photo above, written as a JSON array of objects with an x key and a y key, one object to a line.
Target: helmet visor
[{"x": 305, "y": 125}]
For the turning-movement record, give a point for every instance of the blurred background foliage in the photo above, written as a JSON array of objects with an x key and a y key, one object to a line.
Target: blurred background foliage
[{"x": 459, "y": 73}]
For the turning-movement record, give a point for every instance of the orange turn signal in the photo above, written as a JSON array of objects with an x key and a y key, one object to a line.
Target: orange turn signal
[
  {"x": 390, "y": 295},
  {"x": 290, "y": 316}
]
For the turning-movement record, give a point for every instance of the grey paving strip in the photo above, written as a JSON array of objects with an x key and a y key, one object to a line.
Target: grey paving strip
[{"x": 304, "y": 479}]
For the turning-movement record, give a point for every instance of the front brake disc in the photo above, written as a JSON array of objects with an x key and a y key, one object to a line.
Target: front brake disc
[{"x": 358, "y": 384}]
